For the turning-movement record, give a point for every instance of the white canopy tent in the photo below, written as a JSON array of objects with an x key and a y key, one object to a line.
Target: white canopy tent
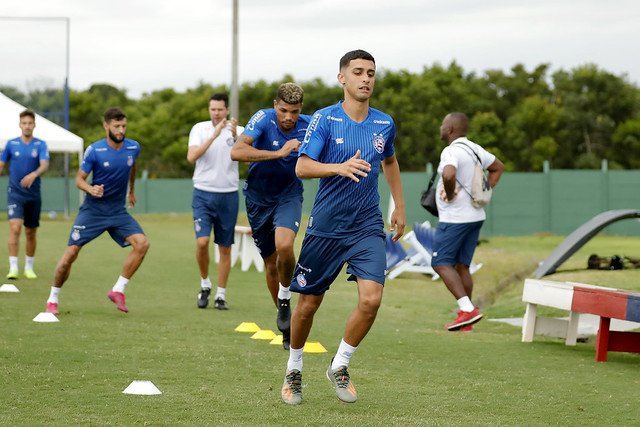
[{"x": 58, "y": 139}]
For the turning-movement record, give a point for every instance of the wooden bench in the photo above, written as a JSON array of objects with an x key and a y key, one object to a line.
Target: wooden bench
[
  {"x": 562, "y": 295},
  {"x": 610, "y": 304}
]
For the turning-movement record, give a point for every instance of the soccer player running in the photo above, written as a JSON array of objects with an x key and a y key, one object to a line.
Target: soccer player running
[
  {"x": 345, "y": 146},
  {"x": 215, "y": 194},
  {"x": 273, "y": 192},
  {"x": 28, "y": 158},
  {"x": 112, "y": 161}
]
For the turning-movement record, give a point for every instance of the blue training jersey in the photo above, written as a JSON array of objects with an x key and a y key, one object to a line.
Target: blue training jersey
[
  {"x": 110, "y": 168},
  {"x": 343, "y": 206},
  {"x": 271, "y": 179},
  {"x": 24, "y": 159}
]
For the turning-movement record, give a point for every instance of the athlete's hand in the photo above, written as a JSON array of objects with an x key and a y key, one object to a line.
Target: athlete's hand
[
  {"x": 233, "y": 127},
  {"x": 221, "y": 124},
  {"x": 96, "y": 190},
  {"x": 289, "y": 146},
  {"x": 398, "y": 222},
  {"x": 132, "y": 199},
  {"x": 28, "y": 180},
  {"x": 354, "y": 167}
]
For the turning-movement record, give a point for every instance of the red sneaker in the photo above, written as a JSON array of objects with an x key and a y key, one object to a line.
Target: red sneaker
[
  {"x": 52, "y": 307},
  {"x": 118, "y": 299},
  {"x": 467, "y": 328},
  {"x": 465, "y": 318}
]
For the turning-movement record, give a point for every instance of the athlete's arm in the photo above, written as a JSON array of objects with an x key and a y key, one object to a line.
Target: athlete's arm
[
  {"x": 306, "y": 167},
  {"x": 29, "y": 178},
  {"x": 1, "y": 166},
  {"x": 194, "y": 152},
  {"x": 391, "y": 171},
  {"x": 82, "y": 184},
  {"x": 244, "y": 151},
  {"x": 495, "y": 172},
  {"x": 132, "y": 184}
]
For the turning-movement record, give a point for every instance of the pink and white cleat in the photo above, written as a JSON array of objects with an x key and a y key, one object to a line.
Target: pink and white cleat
[
  {"x": 119, "y": 300},
  {"x": 52, "y": 307}
]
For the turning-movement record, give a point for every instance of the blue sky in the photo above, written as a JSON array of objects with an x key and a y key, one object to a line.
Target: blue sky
[{"x": 143, "y": 45}]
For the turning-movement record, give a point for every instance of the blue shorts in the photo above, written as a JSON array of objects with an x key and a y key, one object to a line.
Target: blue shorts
[
  {"x": 89, "y": 225},
  {"x": 285, "y": 212},
  {"x": 26, "y": 209},
  {"x": 455, "y": 243},
  {"x": 215, "y": 210},
  {"x": 322, "y": 259}
]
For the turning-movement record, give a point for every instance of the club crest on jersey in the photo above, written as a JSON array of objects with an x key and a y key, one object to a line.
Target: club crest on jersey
[
  {"x": 130, "y": 161},
  {"x": 230, "y": 142},
  {"x": 378, "y": 142},
  {"x": 34, "y": 153},
  {"x": 302, "y": 281}
]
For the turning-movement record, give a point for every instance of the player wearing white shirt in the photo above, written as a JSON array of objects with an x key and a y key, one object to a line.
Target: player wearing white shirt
[
  {"x": 460, "y": 222},
  {"x": 215, "y": 194}
]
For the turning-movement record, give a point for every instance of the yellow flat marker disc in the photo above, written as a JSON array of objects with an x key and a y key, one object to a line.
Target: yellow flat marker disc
[{"x": 247, "y": 327}]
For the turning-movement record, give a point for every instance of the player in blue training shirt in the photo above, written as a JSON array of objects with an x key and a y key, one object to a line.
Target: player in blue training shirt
[
  {"x": 273, "y": 192},
  {"x": 112, "y": 161},
  {"x": 28, "y": 158},
  {"x": 344, "y": 146}
]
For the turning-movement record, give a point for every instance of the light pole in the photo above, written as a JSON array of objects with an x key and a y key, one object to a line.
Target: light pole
[{"x": 234, "y": 63}]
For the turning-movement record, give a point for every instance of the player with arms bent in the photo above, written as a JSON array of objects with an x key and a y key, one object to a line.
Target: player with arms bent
[
  {"x": 345, "y": 146},
  {"x": 112, "y": 161}
]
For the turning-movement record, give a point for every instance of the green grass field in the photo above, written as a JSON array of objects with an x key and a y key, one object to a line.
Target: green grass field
[{"x": 408, "y": 371}]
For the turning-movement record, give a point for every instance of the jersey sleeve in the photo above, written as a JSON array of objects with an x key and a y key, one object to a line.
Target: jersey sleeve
[
  {"x": 256, "y": 125},
  {"x": 389, "y": 146},
  {"x": 5, "y": 154},
  {"x": 486, "y": 157},
  {"x": 194, "y": 136},
  {"x": 44, "y": 151},
  {"x": 316, "y": 137},
  {"x": 447, "y": 158},
  {"x": 88, "y": 160}
]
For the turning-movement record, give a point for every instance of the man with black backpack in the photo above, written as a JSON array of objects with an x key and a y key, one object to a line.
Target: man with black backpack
[{"x": 462, "y": 192}]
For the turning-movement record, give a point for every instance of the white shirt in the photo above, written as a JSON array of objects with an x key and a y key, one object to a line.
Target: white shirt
[
  {"x": 215, "y": 171},
  {"x": 460, "y": 210}
]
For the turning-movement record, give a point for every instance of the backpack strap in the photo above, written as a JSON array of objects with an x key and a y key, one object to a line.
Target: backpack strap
[{"x": 472, "y": 150}]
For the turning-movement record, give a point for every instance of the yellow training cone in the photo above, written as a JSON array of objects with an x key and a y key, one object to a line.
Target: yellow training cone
[
  {"x": 314, "y": 347},
  {"x": 247, "y": 327},
  {"x": 264, "y": 334},
  {"x": 277, "y": 340}
]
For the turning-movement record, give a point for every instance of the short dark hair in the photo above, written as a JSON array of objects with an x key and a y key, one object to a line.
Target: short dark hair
[
  {"x": 114, "y": 113},
  {"x": 290, "y": 93},
  {"x": 220, "y": 97},
  {"x": 355, "y": 54},
  {"x": 29, "y": 113}
]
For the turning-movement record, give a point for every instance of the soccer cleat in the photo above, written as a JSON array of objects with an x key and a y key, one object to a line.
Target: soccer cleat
[
  {"x": 465, "y": 318},
  {"x": 283, "y": 320},
  {"x": 220, "y": 304},
  {"x": 342, "y": 383},
  {"x": 203, "y": 297},
  {"x": 52, "y": 307},
  {"x": 12, "y": 274},
  {"x": 119, "y": 300},
  {"x": 30, "y": 274},
  {"x": 291, "y": 392}
]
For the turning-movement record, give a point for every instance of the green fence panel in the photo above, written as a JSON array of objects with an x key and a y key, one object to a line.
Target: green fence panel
[{"x": 524, "y": 203}]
